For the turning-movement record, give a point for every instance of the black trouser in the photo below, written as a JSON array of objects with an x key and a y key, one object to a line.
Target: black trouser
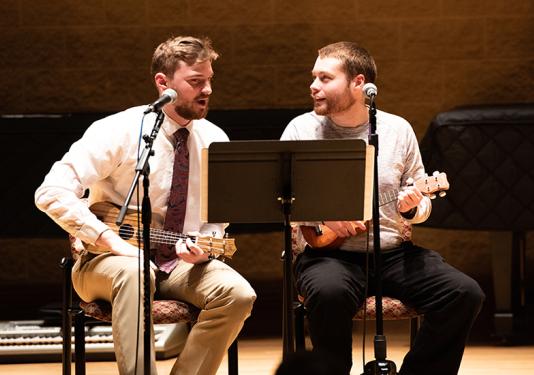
[{"x": 333, "y": 285}]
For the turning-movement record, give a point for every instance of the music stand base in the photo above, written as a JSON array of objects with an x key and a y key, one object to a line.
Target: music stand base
[{"x": 380, "y": 367}]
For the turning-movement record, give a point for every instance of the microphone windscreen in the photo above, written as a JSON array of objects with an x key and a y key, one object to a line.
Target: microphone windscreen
[
  {"x": 170, "y": 93},
  {"x": 369, "y": 89}
]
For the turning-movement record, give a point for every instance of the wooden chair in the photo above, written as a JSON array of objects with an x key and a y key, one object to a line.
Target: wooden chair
[
  {"x": 163, "y": 311},
  {"x": 392, "y": 309}
]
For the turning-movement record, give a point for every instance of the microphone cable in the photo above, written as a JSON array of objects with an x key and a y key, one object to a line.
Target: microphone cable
[{"x": 365, "y": 295}]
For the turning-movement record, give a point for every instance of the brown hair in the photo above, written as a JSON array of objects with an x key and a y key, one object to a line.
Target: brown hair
[
  {"x": 188, "y": 49},
  {"x": 355, "y": 60}
]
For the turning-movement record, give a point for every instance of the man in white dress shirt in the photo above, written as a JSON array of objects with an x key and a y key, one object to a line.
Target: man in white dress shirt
[{"x": 104, "y": 161}]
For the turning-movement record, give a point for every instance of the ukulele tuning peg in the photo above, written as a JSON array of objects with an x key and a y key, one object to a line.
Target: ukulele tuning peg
[
  {"x": 435, "y": 174},
  {"x": 442, "y": 194},
  {"x": 432, "y": 196},
  {"x": 426, "y": 175}
]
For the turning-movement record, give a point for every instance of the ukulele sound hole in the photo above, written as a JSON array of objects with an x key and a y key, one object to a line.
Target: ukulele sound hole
[{"x": 126, "y": 232}]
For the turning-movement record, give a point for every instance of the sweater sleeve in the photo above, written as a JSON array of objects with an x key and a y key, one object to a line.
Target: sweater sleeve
[{"x": 413, "y": 167}]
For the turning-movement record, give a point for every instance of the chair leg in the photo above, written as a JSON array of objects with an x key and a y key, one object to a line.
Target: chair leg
[
  {"x": 79, "y": 342},
  {"x": 299, "y": 327},
  {"x": 66, "y": 324},
  {"x": 232, "y": 359}
]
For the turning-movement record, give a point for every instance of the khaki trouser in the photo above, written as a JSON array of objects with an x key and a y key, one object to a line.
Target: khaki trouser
[{"x": 224, "y": 297}]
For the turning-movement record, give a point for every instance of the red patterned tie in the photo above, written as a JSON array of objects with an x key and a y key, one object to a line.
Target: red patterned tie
[{"x": 174, "y": 219}]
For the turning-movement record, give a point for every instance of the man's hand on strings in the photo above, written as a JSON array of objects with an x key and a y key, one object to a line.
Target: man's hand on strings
[
  {"x": 346, "y": 228},
  {"x": 190, "y": 252},
  {"x": 117, "y": 246},
  {"x": 409, "y": 198}
]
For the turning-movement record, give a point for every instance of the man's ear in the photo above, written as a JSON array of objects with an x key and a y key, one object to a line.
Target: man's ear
[
  {"x": 161, "y": 81},
  {"x": 358, "y": 81}
]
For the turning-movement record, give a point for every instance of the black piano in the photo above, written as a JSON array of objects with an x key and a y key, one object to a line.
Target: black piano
[{"x": 487, "y": 152}]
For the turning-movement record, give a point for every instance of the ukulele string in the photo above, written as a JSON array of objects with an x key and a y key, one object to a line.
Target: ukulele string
[{"x": 170, "y": 238}]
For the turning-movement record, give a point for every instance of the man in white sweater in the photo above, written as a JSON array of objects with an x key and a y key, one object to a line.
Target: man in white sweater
[{"x": 333, "y": 281}]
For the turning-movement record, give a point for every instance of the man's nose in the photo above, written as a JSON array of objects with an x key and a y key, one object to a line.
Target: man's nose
[
  {"x": 314, "y": 87},
  {"x": 206, "y": 90}
]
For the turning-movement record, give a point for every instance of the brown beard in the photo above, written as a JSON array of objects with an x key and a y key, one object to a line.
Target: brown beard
[
  {"x": 336, "y": 104},
  {"x": 188, "y": 112}
]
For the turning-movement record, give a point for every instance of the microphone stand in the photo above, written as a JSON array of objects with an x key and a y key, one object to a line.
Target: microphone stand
[
  {"x": 288, "y": 329},
  {"x": 380, "y": 365},
  {"x": 146, "y": 218}
]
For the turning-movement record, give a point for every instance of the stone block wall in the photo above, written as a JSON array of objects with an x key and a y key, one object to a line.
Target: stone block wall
[{"x": 94, "y": 55}]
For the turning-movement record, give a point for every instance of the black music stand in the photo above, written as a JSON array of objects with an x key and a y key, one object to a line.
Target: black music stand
[{"x": 284, "y": 181}]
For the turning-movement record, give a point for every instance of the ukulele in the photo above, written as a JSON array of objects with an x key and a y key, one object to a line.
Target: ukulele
[
  {"x": 322, "y": 237},
  {"x": 128, "y": 231}
]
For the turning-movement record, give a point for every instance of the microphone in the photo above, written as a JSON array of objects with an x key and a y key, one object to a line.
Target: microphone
[
  {"x": 370, "y": 90},
  {"x": 167, "y": 96}
]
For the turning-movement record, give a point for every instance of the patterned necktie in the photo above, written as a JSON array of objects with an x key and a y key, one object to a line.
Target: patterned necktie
[{"x": 174, "y": 219}]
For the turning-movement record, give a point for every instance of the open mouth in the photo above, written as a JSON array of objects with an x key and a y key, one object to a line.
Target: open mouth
[{"x": 202, "y": 101}]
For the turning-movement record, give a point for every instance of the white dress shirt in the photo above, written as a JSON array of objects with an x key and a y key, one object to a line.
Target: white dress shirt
[{"x": 104, "y": 162}]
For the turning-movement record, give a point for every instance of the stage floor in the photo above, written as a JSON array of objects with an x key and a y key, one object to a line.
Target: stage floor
[{"x": 261, "y": 356}]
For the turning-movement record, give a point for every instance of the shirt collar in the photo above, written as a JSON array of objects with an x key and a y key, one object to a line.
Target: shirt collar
[{"x": 170, "y": 126}]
